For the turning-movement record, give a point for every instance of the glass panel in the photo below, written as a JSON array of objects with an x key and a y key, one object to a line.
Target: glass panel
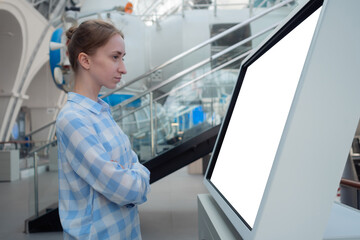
[
  {"x": 46, "y": 165},
  {"x": 28, "y": 175},
  {"x": 135, "y": 123},
  {"x": 48, "y": 186},
  {"x": 190, "y": 105},
  {"x": 43, "y": 184}
]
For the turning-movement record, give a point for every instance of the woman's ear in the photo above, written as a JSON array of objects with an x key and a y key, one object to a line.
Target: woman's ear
[{"x": 84, "y": 60}]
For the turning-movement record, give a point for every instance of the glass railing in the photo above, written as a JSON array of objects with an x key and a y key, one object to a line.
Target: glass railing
[
  {"x": 42, "y": 193},
  {"x": 38, "y": 138},
  {"x": 38, "y": 167},
  {"x": 172, "y": 113},
  {"x": 186, "y": 103}
]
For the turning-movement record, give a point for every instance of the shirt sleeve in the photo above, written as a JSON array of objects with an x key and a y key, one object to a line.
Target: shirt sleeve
[{"x": 89, "y": 159}]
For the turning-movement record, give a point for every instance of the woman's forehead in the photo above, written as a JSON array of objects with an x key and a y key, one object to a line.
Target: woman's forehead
[{"x": 115, "y": 44}]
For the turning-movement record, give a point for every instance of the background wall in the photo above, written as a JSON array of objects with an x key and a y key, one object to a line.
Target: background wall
[
  {"x": 24, "y": 26},
  {"x": 43, "y": 102}
]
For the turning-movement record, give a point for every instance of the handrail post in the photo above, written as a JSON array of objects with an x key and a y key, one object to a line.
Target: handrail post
[
  {"x": 50, "y": 7},
  {"x": 215, "y": 8},
  {"x": 182, "y": 8},
  {"x": 151, "y": 125},
  {"x": 36, "y": 184},
  {"x": 155, "y": 128},
  {"x": 251, "y": 7}
]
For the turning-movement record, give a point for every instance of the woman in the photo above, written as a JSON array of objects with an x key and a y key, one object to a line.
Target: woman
[{"x": 101, "y": 181}]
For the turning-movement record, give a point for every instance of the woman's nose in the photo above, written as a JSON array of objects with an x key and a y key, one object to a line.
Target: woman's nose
[{"x": 122, "y": 68}]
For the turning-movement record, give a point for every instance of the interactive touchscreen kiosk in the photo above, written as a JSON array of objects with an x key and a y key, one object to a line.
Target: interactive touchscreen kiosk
[{"x": 277, "y": 163}]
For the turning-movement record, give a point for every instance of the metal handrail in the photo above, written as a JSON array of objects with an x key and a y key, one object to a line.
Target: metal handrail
[
  {"x": 190, "y": 69},
  {"x": 41, "y": 128},
  {"x": 188, "y": 83},
  {"x": 350, "y": 183},
  {"x": 204, "y": 75},
  {"x": 191, "y": 50},
  {"x": 42, "y": 147},
  {"x": 152, "y": 118},
  {"x": 221, "y": 4},
  {"x": 182, "y": 73}
]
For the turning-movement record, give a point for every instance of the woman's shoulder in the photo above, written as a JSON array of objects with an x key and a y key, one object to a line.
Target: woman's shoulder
[{"x": 71, "y": 112}]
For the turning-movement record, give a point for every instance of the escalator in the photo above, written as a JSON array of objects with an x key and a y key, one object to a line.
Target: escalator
[{"x": 176, "y": 121}]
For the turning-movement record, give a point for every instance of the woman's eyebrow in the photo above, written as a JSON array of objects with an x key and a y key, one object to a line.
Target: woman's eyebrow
[{"x": 120, "y": 53}]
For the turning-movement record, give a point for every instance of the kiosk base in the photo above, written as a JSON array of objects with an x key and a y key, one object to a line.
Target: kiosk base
[{"x": 213, "y": 224}]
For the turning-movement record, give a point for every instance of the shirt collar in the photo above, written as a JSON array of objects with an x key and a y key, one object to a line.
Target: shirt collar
[{"x": 88, "y": 103}]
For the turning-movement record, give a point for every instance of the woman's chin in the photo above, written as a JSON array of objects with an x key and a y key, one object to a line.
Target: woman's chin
[{"x": 112, "y": 86}]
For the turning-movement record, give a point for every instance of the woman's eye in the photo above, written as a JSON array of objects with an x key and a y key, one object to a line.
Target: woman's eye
[
  {"x": 123, "y": 59},
  {"x": 115, "y": 57}
]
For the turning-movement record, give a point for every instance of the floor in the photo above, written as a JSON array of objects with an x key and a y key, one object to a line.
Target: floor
[{"x": 170, "y": 212}]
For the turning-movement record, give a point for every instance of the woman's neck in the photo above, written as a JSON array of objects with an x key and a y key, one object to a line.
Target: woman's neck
[{"x": 86, "y": 87}]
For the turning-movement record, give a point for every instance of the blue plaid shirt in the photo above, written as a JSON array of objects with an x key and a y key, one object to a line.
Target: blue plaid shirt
[{"x": 101, "y": 181}]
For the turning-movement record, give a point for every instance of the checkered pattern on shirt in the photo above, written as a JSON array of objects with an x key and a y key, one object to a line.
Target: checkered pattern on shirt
[{"x": 101, "y": 181}]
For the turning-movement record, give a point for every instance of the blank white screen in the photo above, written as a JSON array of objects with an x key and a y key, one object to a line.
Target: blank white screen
[{"x": 258, "y": 119}]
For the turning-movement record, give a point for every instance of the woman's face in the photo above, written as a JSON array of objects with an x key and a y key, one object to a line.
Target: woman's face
[{"x": 107, "y": 64}]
